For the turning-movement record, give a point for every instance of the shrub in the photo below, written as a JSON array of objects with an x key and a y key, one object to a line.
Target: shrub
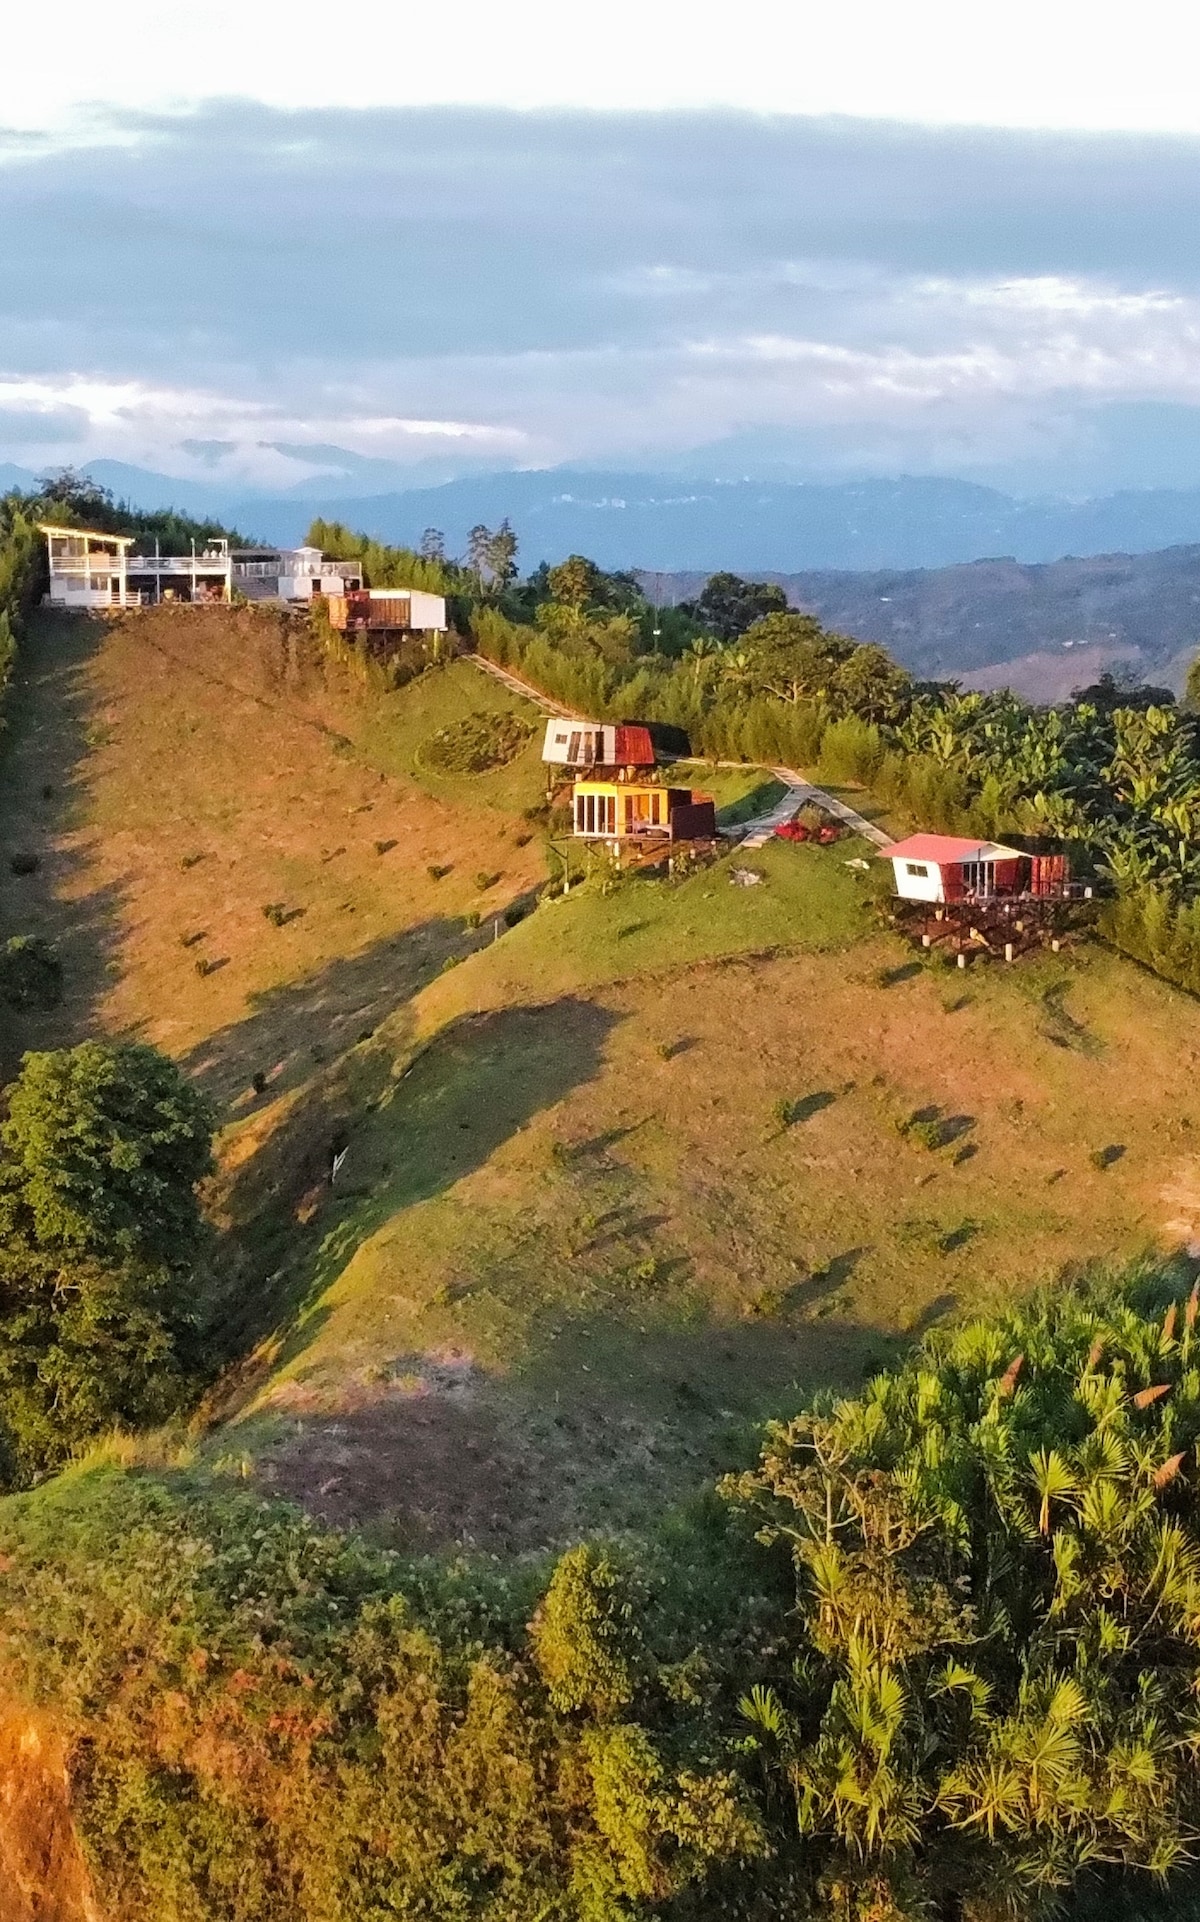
[
  {"x": 584, "y": 1636},
  {"x": 31, "y": 973},
  {"x": 476, "y": 744},
  {"x": 274, "y": 1724},
  {"x": 994, "y": 1554},
  {"x": 485, "y": 880}
]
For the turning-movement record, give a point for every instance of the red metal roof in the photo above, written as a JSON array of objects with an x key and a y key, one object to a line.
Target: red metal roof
[
  {"x": 634, "y": 748},
  {"x": 946, "y": 850}
]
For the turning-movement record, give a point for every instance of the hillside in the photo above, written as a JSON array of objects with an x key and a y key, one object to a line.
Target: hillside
[
  {"x": 571, "y": 1230},
  {"x": 623, "y": 1173},
  {"x": 1041, "y": 630}
]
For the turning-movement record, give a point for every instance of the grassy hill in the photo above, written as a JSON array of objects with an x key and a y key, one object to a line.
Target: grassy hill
[{"x": 620, "y": 1179}]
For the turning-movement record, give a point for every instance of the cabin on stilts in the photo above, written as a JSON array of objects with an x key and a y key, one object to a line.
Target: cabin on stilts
[
  {"x": 949, "y": 867},
  {"x": 616, "y": 811}
]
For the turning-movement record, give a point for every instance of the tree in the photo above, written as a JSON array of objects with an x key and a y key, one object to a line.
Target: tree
[
  {"x": 584, "y": 1636},
  {"x": 100, "y": 1227},
  {"x": 729, "y": 605},
  {"x": 492, "y": 556},
  {"x": 82, "y": 498},
  {"x": 502, "y": 555},
  {"x": 792, "y": 656},
  {"x": 997, "y": 1562},
  {"x": 574, "y": 582},
  {"x": 433, "y": 545},
  {"x": 106, "y": 1143},
  {"x": 478, "y": 542}
]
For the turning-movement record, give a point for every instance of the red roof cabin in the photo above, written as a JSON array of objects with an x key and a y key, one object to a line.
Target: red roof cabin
[{"x": 949, "y": 867}]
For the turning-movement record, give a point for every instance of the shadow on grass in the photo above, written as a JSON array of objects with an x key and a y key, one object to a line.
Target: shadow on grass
[
  {"x": 608, "y": 1421},
  {"x": 404, "y": 1140},
  {"x": 291, "y": 1031},
  {"x": 51, "y": 724}
]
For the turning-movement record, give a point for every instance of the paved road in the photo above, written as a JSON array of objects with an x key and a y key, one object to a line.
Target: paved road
[
  {"x": 801, "y": 793},
  {"x": 754, "y": 834}
]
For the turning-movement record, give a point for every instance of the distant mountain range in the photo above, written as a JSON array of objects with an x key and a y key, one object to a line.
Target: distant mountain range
[
  {"x": 671, "y": 523},
  {"x": 893, "y": 561}
]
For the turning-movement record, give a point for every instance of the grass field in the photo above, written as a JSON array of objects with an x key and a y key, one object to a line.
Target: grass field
[
  {"x": 180, "y": 771},
  {"x": 619, "y": 1183}
]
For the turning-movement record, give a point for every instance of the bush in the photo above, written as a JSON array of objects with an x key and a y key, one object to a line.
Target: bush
[
  {"x": 273, "y": 1724},
  {"x": 993, "y": 1661},
  {"x": 31, "y": 973},
  {"x": 476, "y": 744}
]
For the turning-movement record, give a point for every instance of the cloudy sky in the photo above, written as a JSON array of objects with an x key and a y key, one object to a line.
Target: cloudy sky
[{"x": 280, "y": 241}]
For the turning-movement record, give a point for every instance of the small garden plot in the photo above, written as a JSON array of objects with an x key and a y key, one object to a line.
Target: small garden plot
[{"x": 478, "y": 743}]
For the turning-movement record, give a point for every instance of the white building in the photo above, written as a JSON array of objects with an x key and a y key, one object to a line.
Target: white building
[
  {"x": 90, "y": 571},
  {"x": 87, "y": 571},
  {"x": 949, "y": 867},
  {"x": 292, "y": 573},
  {"x": 396, "y": 610}
]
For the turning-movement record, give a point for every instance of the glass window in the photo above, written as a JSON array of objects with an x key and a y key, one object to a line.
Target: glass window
[{"x": 917, "y": 869}]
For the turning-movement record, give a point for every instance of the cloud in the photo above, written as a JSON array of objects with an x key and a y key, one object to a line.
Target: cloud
[
  {"x": 38, "y": 426},
  {"x": 266, "y": 296}
]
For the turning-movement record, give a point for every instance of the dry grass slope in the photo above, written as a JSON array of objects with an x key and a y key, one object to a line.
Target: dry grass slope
[{"x": 622, "y": 1182}]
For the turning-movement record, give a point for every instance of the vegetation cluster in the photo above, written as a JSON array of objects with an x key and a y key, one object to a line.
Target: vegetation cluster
[
  {"x": 935, "y": 1655},
  {"x": 101, "y": 1238},
  {"x": 477, "y": 743}
]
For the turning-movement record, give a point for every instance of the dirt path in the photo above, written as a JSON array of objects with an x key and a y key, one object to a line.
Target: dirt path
[{"x": 525, "y": 689}]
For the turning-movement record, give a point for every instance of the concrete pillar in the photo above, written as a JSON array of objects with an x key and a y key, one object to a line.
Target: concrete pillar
[
  {"x": 1008, "y": 950},
  {"x": 962, "y": 959}
]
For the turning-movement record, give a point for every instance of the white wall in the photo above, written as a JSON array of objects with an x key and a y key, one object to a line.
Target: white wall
[
  {"x": 428, "y": 610},
  {"x": 918, "y": 887}
]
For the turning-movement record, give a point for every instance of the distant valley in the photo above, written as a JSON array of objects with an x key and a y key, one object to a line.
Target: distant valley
[{"x": 1043, "y": 630}]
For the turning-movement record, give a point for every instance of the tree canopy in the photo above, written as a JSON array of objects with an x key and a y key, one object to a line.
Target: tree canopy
[
  {"x": 727, "y": 605},
  {"x": 996, "y": 1677},
  {"x": 100, "y": 1235}
]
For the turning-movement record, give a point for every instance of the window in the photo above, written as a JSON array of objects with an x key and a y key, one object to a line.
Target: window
[
  {"x": 560, "y": 740},
  {"x": 917, "y": 869}
]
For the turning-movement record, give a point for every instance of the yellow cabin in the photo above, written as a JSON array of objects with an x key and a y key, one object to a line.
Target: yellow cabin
[{"x": 628, "y": 810}]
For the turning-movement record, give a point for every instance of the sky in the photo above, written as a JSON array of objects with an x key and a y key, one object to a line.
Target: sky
[{"x": 278, "y": 246}]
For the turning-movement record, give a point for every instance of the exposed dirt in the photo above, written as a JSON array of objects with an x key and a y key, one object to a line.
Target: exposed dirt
[{"x": 43, "y": 1876}]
